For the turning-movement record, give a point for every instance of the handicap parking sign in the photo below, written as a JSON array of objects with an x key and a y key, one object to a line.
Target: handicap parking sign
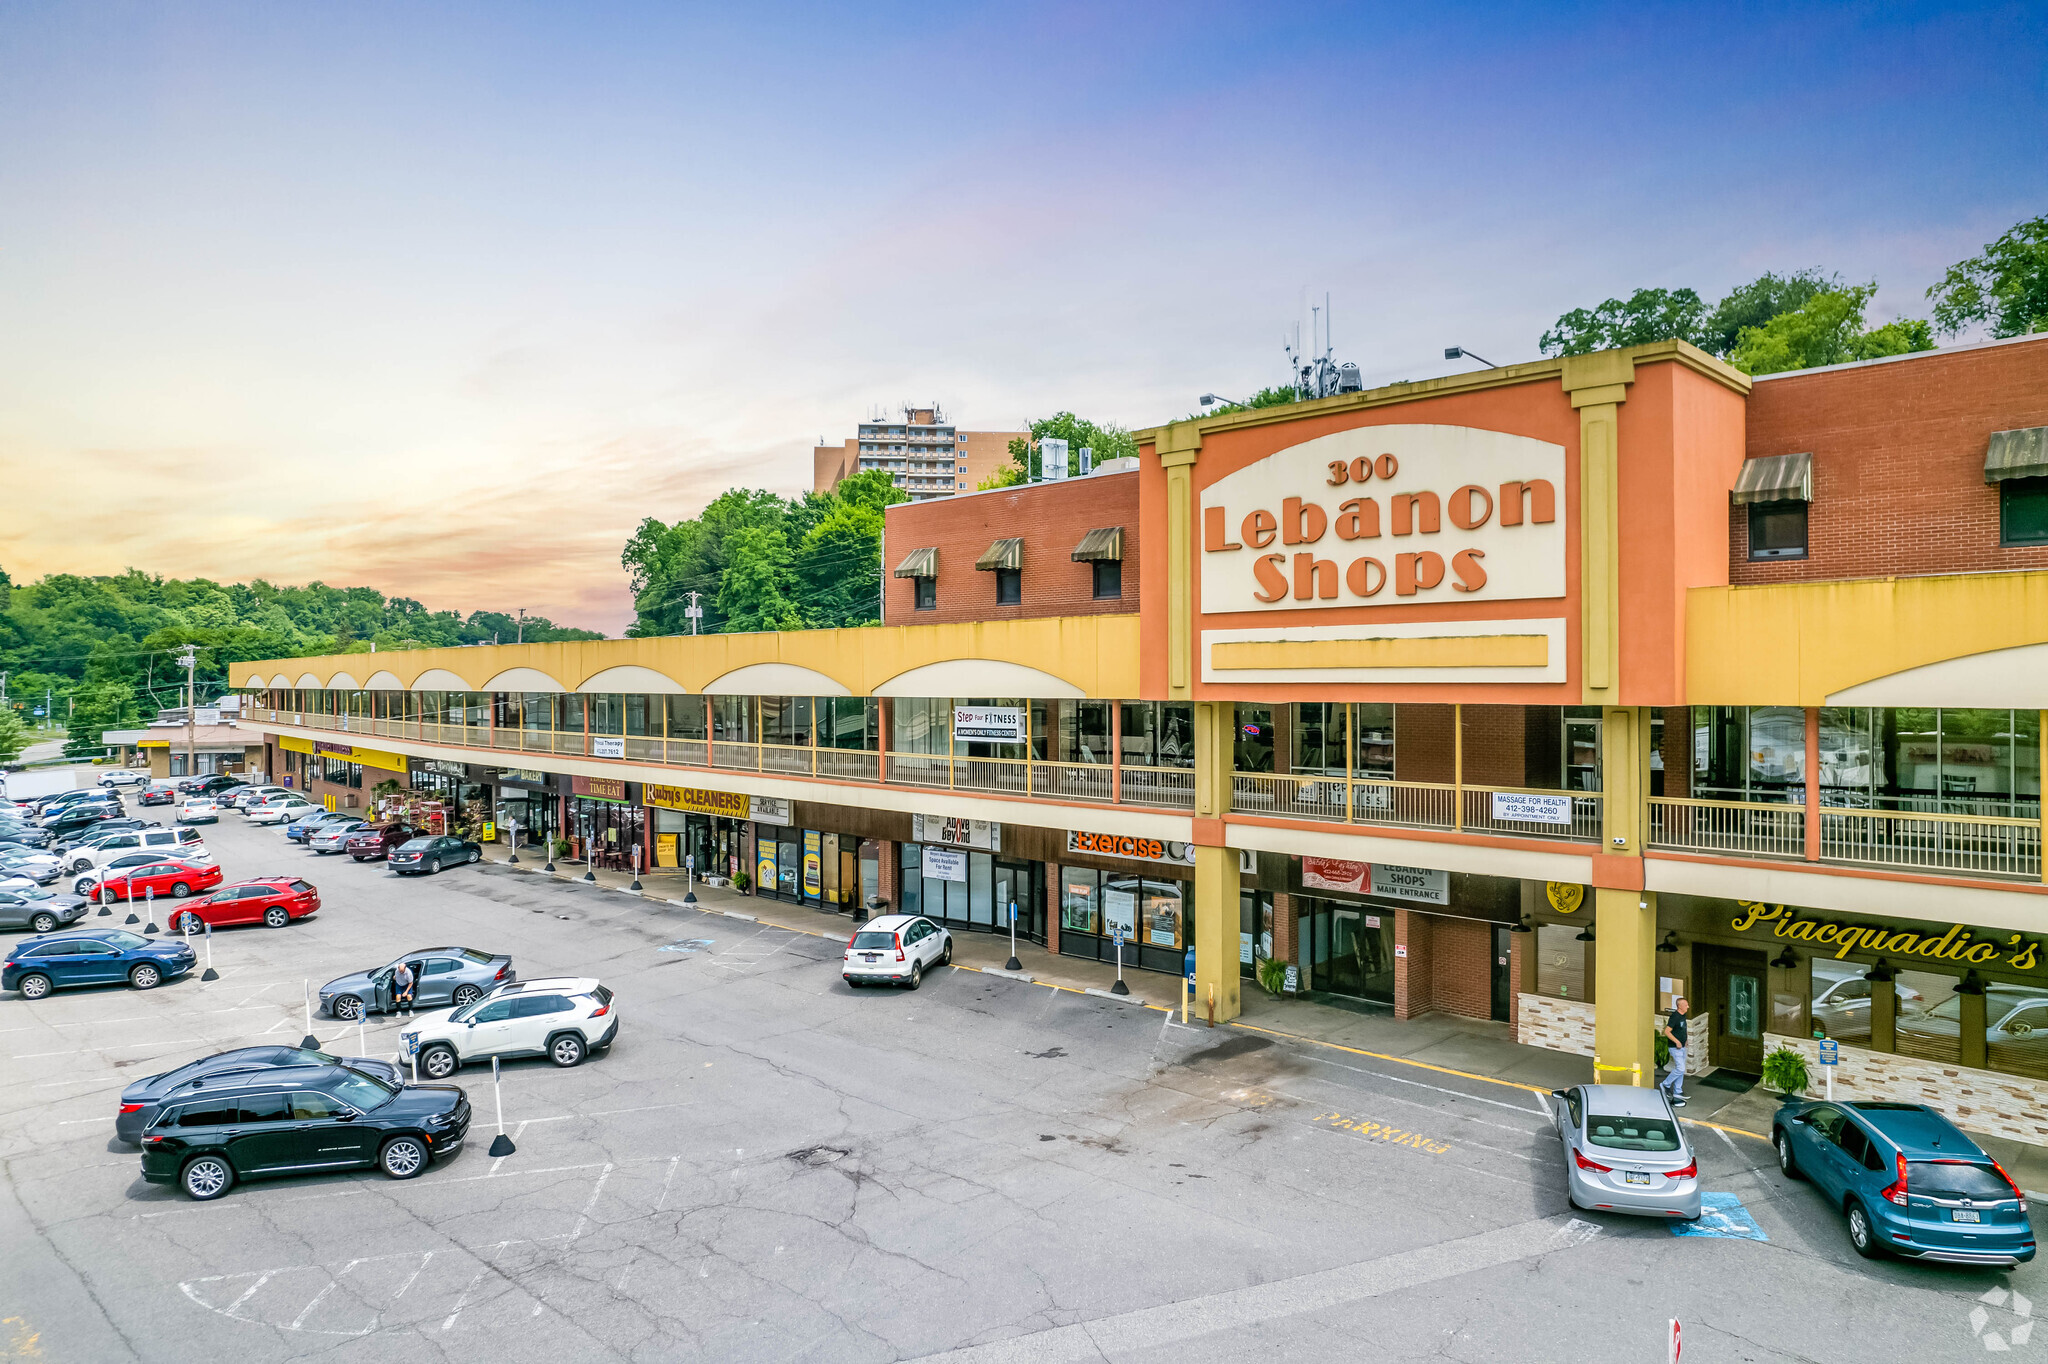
[
  {"x": 1721, "y": 1215},
  {"x": 1830, "y": 1051}
]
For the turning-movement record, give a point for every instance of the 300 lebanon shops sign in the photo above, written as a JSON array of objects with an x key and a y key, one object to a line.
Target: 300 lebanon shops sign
[{"x": 1386, "y": 514}]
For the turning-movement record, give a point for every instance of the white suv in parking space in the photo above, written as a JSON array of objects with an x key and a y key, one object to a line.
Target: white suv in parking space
[
  {"x": 247, "y": 798},
  {"x": 896, "y": 949},
  {"x": 281, "y": 812},
  {"x": 184, "y": 843},
  {"x": 563, "y": 1019}
]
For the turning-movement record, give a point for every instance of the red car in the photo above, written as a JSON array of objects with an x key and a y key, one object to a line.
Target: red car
[
  {"x": 374, "y": 845},
  {"x": 176, "y": 879},
  {"x": 271, "y": 900}
]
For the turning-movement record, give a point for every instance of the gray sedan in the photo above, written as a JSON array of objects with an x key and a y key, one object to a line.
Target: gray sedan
[
  {"x": 334, "y": 835},
  {"x": 41, "y": 910},
  {"x": 141, "y": 1100},
  {"x": 1624, "y": 1151},
  {"x": 441, "y": 976}
]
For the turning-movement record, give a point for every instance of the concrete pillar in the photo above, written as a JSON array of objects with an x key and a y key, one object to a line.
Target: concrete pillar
[
  {"x": 1884, "y": 1016},
  {"x": 1972, "y": 1051},
  {"x": 1215, "y": 910},
  {"x": 1414, "y": 965},
  {"x": 1625, "y": 916}
]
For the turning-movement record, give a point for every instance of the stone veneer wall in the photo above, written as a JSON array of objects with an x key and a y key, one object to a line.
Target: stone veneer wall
[
  {"x": 1567, "y": 1025},
  {"x": 2009, "y": 1106}
]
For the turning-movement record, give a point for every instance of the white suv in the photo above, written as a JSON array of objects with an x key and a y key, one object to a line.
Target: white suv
[
  {"x": 896, "y": 949},
  {"x": 184, "y": 843},
  {"x": 281, "y": 812},
  {"x": 563, "y": 1019}
]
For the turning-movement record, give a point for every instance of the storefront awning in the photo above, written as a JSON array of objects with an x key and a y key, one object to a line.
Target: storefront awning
[
  {"x": 2017, "y": 454},
  {"x": 920, "y": 563},
  {"x": 1002, "y": 554},
  {"x": 1105, "y": 542},
  {"x": 1775, "y": 478}
]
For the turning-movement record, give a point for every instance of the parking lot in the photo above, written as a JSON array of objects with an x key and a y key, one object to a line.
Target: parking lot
[{"x": 769, "y": 1166}]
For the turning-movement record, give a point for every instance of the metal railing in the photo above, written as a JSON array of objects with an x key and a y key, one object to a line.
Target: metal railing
[
  {"x": 1727, "y": 826},
  {"x": 1531, "y": 813},
  {"x": 1983, "y": 844}
]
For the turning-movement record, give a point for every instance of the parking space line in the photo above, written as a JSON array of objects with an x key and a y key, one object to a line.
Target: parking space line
[
  {"x": 1419, "y": 1084},
  {"x": 73, "y": 1122},
  {"x": 483, "y": 1269},
  {"x": 584, "y": 1217}
]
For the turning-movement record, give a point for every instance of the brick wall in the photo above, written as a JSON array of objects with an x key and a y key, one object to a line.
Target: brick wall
[
  {"x": 1286, "y": 926},
  {"x": 1051, "y": 517},
  {"x": 1461, "y": 967},
  {"x": 1423, "y": 743},
  {"x": 1898, "y": 462},
  {"x": 1413, "y": 977},
  {"x": 2009, "y": 1106}
]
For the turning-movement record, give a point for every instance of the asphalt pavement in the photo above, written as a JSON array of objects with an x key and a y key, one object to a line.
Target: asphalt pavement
[{"x": 769, "y": 1166}]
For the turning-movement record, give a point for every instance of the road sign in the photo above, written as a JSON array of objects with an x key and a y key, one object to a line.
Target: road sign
[{"x": 1830, "y": 1051}]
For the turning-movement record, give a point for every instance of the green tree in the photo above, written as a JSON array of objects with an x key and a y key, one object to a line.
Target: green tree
[
  {"x": 1827, "y": 330},
  {"x": 2006, "y": 287},
  {"x": 839, "y": 568},
  {"x": 1279, "y": 395},
  {"x": 1757, "y": 302},
  {"x": 1107, "y": 439},
  {"x": 1646, "y": 315},
  {"x": 14, "y": 735},
  {"x": 97, "y": 707},
  {"x": 754, "y": 590}
]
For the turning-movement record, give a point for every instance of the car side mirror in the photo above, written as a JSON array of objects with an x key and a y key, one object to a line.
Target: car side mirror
[{"x": 346, "y": 1116}]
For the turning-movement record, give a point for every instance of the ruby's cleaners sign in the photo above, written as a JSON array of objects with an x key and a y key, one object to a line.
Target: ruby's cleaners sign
[{"x": 1387, "y": 514}]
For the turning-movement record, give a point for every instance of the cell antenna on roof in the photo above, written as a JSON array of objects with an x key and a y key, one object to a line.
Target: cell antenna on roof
[{"x": 1317, "y": 374}]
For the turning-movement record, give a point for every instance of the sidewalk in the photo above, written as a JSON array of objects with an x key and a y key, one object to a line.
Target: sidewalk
[{"x": 1464, "y": 1047}]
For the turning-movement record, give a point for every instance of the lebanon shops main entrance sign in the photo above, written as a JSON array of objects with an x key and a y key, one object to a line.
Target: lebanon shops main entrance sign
[{"x": 1387, "y": 514}]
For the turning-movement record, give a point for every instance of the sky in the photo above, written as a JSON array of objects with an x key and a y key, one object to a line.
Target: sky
[{"x": 445, "y": 299}]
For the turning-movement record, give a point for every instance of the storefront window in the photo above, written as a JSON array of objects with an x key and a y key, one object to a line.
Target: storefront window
[
  {"x": 1373, "y": 722},
  {"x": 1082, "y": 731},
  {"x": 1319, "y": 737},
  {"x": 732, "y": 719},
  {"x": 1560, "y": 962},
  {"x": 910, "y": 899},
  {"x": 848, "y": 722},
  {"x": 1960, "y": 761},
  {"x": 607, "y": 712},
  {"x": 1161, "y": 913},
  {"x": 1158, "y": 734},
  {"x": 569, "y": 712},
  {"x": 1349, "y": 949},
  {"x": 1749, "y": 753},
  {"x": 1080, "y": 900},
  {"x": 919, "y": 724},
  {"x": 643, "y": 715},
  {"x": 786, "y": 720},
  {"x": 685, "y": 717},
  {"x": 1252, "y": 745},
  {"x": 536, "y": 710}
]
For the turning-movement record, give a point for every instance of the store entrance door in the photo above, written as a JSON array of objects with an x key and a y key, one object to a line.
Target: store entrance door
[
  {"x": 1501, "y": 983},
  {"x": 1734, "y": 991},
  {"x": 1017, "y": 883}
]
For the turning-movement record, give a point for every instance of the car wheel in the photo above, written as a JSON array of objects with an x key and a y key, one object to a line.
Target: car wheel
[
  {"x": 916, "y": 974},
  {"x": 946, "y": 957},
  {"x": 188, "y": 922},
  {"x": 403, "y": 1157},
  {"x": 348, "y": 1008},
  {"x": 277, "y": 916},
  {"x": 179, "y": 890},
  {"x": 476, "y": 857},
  {"x": 434, "y": 867},
  {"x": 44, "y": 923},
  {"x": 207, "y": 1178},
  {"x": 81, "y": 864},
  {"x": 145, "y": 977},
  {"x": 566, "y": 1050},
  {"x": 467, "y": 994},
  {"x": 1787, "y": 1165},
  {"x": 439, "y": 1063},
  {"x": 34, "y": 987},
  {"x": 1862, "y": 1235}
]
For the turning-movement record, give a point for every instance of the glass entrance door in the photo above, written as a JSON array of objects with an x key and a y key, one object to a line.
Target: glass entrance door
[
  {"x": 1581, "y": 750},
  {"x": 1017, "y": 882},
  {"x": 1351, "y": 951}
]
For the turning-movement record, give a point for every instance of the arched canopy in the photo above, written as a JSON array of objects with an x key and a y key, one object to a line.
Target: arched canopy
[
  {"x": 383, "y": 680},
  {"x": 775, "y": 679},
  {"x": 1996, "y": 679},
  {"x": 978, "y": 677},
  {"x": 440, "y": 679},
  {"x": 255, "y": 680},
  {"x": 522, "y": 679},
  {"x": 308, "y": 682},
  {"x": 342, "y": 681},
  {"x": 281, "y": 681},
  {"x": 630, "y": 677}
]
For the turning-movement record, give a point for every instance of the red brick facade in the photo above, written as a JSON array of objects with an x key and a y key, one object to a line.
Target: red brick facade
[
  {"x": 1898, "y": 462},
  {"x": 1050, "y": 517},
  {"x": 1447, "y": 966}
]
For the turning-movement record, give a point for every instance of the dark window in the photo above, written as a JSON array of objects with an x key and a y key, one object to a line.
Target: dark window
[
  {"x": 927, "y": 593},
  {"x": 497, "y": 1011},
  {"x": 1109, "y": 578},
  {"x": 533, "y": 1006},
  {"x": 1777, "y": 530},
  {"x": 440, "y": 966},
  {"x": 266, "y": 1108},
  {"x": 1956, "y": 1179},
  {"x": 217, "y": 1113},
  {"x": 1009, "y": 586},
  {"x": 1854, "y": 1144},
  {"x": 2023, "y": 511},
  {"x": 310, "y": 1106}
]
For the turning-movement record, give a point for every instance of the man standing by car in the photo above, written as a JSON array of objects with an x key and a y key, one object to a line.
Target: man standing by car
[
  {"x": 401, "y": 989},
  {"x": 1673, "y": 1082}
]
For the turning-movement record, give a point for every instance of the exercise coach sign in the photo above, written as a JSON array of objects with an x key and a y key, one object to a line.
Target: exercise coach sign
[{"x": 1386, "y": 515}]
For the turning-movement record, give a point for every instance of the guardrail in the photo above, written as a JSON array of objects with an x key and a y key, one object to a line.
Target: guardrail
[
  {"x": 1984, "y": 844},
  {"x": 1728, "y": 826}
]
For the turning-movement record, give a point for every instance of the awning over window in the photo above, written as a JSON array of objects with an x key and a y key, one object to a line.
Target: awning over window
[
  {"x": 1104, "y": 542},
  {"x": 1002, "y": 554},
  {"x": 1775, "y": 478},
  {"x": 920, "y": 563},
  {"x": 2017, "y": 454}
]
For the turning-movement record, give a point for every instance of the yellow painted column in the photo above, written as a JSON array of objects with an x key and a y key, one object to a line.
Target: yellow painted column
[
  {"x": 1214, "y": 928},
  {"x": 1180, "y": 445},
  {"x": 1598, "y": 385},
  {"x": 1625, "y": 921}
]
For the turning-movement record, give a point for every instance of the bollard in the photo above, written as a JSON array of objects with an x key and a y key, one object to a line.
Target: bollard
[
  {"x": 1212, "y": 1006},
  {"x": 209, "y": 973},
  {"x": 309, "y": 1042},
  {"x": 635, "y": 887},
  {"x": 1119, "y": 988},
  {"x": 1013, "y": 964},
  {"x": 502, "y": 1144}
]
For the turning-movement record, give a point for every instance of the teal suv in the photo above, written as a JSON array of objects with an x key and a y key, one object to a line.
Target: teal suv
[{"x": 1907, "y": 1181}]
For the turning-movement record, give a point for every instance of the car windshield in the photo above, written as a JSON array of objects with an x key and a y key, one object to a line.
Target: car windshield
[
  {"x": 1632, "y": 1134},
  {"x": 1955, "y": 1179},
  {"x": 364, "y": 1091},
  {"x": 125, "y": 942},
  {"x": 462, "y": 1015},
  {"x": 873, "y": 941}
]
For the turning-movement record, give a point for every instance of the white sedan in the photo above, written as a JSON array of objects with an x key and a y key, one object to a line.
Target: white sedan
[
  {"x": 199, "y": 810},
  {"x": 284, "y": 812},
  {"x": 896, "y": 949}
]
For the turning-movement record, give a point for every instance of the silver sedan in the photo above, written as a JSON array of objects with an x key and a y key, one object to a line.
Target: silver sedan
[{"x": 1624, "y": 1151}]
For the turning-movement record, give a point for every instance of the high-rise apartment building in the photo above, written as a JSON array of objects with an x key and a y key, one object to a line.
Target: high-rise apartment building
[{"x": 925, "y": 453}]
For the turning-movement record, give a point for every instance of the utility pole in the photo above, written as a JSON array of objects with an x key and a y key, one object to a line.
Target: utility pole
[
  {"x": 188, "y": 659},
  {"x": 694, "y": 612},
  {"x": 522, "y": 627}
]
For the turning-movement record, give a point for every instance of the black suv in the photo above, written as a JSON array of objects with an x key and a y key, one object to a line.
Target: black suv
[
  {"x": 300, "y": 1120},
  {"x": 211, "y": 785}
]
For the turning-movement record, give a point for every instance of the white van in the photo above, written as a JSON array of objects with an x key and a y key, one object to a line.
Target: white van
[{"x": 171, "y": 842}]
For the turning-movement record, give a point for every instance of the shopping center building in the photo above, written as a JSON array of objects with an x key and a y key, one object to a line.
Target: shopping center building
[{"x": 1537, "y": 694}]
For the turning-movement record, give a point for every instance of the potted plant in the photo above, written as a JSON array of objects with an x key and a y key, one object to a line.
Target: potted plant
[
  {"x": 1785, "y": 1071},
  {"x": 742, "y": 883},
  {"x": 1272, "y": 975}
]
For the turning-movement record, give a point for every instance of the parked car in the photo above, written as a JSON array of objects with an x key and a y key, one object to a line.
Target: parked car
[
  {"x": 374, "y": 844},
  {"x": 441, "y": 976},
  {"x": 12, "y": 835},
  {"x": 158, "y": 792},
  {"x": 106, "y": 828},
  {"x": 104, "y": 848},
  {"x": 242, "y": 797},
  {"x": 432, "y": 852},
  {"x": 278, "y": 814},
  {"x": 334, "y": 836},
  {"x": 271, "y": 900},
  {"x": 133, "y": 860},
  {"x": 41, "y": 910},
  {"x": 199, "y": 810},
  {"x": 562, "y": 1019},
  {"x": 299, "y": 830},
  {"x": 208, "y": 784},
  {"x": 1908, "y": 1181},
  {"x": 76, "y": 819},
  {"x": 896, "y": 949},
  {"x": 52, "y": 801},
  {"x": 1624, "y": 1151},
  {"x": 39, "y": 867},
  {"x": 299, "y": 1119},
  {"x": 145, "y": 1098},
  {"x": 126, "y": 776},
  {"x": 2015, "y": 1028},
  {"x": 92, "y": 956},
  {"x": 177, "y": 879}
]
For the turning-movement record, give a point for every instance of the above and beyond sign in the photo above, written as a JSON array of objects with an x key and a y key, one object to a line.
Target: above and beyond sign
[{"x": 1387, "y": 514}]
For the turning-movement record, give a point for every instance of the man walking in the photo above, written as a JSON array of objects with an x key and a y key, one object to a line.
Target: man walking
[{"x": 1673, "y": 1082}]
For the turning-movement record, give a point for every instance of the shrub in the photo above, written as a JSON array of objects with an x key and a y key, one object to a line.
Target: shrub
[
  {"x": 1663, "y": 1047},
  {"x": 742, "y": 882},
  {"x": 1785, "y": 1071},
  {"x": 1272, "y": 975}
]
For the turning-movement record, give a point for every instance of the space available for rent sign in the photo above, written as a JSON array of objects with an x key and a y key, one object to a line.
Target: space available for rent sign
[
  {"x": 1420, "y": 884},
  {"x": 943, "y": 864},
  {"x": 989, "y": 724}
]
